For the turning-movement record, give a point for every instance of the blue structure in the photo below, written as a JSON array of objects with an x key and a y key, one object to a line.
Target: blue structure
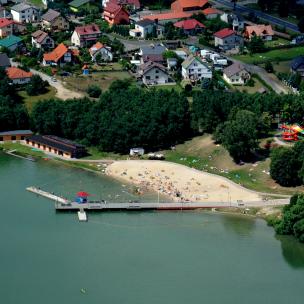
[{"x": 82, "y": 197}]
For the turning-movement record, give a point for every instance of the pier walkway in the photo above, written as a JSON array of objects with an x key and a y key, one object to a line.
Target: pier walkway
[{"x": 63, "y": 204}]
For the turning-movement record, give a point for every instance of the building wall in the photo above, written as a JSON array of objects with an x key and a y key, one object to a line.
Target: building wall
[
  {"x": 6, "y": 31},
  {"x": 75, "y": 39},
  {"x": 228, "y": 42},
  {"x": 155, "y": 76},
  {"x": 48, "y": 149},
  {"x": 196, "y": 70},
  {"x": 106, "y": 55},
  {"x": 21, "y": 80},
  {"x": 27, "y": 15},
  {"x": 237, "y": 79},
  {"x": 17, "y": 137}
]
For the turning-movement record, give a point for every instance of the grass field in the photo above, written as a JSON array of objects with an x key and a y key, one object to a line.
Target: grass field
[
  {"x": 31, "y": 100},
  {"x": 201, "y": 153},
  {"x": 251, "y": 90},
  {"x": 273, "y": 56}
]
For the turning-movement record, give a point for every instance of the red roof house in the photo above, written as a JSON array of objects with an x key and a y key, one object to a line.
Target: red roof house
[
  {"x": 133, "y": 4},
  {"x": 115, "y": 14},
  {"x": 211, "y": 13},
  {"x": 85, "y": 35},
  {"x": 9, "y": 27},
  {"x": 190, "y": 26},
  {"x": 189, "y": 5},
  {"x": 227, "y": 39},
  {"x": 59, "y": 56},
  {"x": 18, "y": 76}
]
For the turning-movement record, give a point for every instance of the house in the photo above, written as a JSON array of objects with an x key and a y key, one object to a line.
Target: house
[
  {"x": 9, "y": 27},
  {"x": 211, "y": 13},
  {"x": 4, "y": 13},
  {"x": 102, "y": 51},
  {"x": 137, "y": 151},
  {"x": 42, "y": 40},
  {"x": 265, "y": 32},
  {"x": 52, "y": 20},
  {"x": 23, "y": 12},
  {"x": 297, "y": 65},
  {"x": 143, "y": 28},
  {"x": 171, "y": 63},
  {"x": 133, "y": 5},
  {"x": 236, "y": 74},
  {"x": 181, "y": 54},
  {"x": 234, "y": 20},
  {"x": 18, "y": 76},
  {"x": 190, "y": 26},
  {"x": 115, "y": 14},
  {"x": 85, "y": 35},
  {"x": 75, "y": 5},
  {"x": 56, "y": 145},
  {"x": 189, "y": 5},
  {"x": 227, "y": 39},
  {"x": 152, "y": 53},
  {"x": 194, "y": 69},
  {"x": 59, "y": 56},
  {"x": 11, "y": 42},
  {"x": 169, "y": 17},
  {"x": 15, "y": 135},
  {"x": 4, "y": 61},
  {"x": 152, "y": 73}
]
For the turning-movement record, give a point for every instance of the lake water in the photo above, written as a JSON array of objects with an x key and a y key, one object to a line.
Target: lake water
[{"x": 133, "y": 258}]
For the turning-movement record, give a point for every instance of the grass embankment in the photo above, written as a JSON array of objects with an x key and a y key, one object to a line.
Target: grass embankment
[{"x": 273, "y": 56}]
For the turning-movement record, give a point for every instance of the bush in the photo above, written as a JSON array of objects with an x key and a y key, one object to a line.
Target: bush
[
  {"x": 269, "y": 67},
  {"x": 36, "y": 86},
  {"x": 250, "y": 82},
  {"x": 94, "y": 91}
]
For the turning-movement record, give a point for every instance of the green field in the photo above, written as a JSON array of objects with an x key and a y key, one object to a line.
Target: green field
[{"x": 274, "y": 56}]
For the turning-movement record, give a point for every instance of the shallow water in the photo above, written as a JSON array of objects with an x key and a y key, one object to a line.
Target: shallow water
[{"x": 138, "y": 257}]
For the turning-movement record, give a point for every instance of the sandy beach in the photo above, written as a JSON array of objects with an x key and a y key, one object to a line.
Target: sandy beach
[{"x": 179, "y": 182}]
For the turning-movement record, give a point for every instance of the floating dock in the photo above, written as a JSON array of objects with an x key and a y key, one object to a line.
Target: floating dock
[{"x": 82, "y": 216}]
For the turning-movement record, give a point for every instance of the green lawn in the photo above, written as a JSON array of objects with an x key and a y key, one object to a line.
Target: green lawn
[
  {"x": 274, "y": 55},
  {"x": 31, "y": 100},
  {"x": 36, "y": 3},
  {"x": 251, "y": 90},
  {"x": 22, "y": 149},
  {"x": 94, "y": 153}
]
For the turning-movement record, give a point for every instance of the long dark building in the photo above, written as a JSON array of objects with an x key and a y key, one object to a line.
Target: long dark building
[{"x": 56, "y": 145}]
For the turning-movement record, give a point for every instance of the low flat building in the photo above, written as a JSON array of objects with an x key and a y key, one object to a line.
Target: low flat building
[
  {"x": 15, "y": 135},
  {"x": 56, "y": 145}
]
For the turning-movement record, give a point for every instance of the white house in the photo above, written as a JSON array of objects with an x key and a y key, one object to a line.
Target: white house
[
  {"x": 193, "y": 68},
  {"x": 143, "y": 28},
  {"x": 41, "y": 40},
  {"x": 236, "y": 74},
  {"x": 153, "y": 73},
  {"x": 85, "y": 35},
  {"x": 101, "y": 51},
  {"x": 23, "y": 12}
]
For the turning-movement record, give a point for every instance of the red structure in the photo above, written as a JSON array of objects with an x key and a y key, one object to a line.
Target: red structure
[
  {"x": 116, "y": 14},
  {"x": 189, "y": 5}
]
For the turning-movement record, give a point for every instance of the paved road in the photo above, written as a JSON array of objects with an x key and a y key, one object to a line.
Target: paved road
[{"x": 272, "y": 19}]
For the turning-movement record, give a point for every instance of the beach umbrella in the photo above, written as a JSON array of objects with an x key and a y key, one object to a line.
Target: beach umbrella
[{"x": 82, "y": 194}]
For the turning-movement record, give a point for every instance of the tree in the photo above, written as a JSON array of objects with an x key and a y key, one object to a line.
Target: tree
[
  {"x": 94, "y": 91},
  {"x": 301, "y": 25},
  {"x": 36, "y": 86},
  {"x": 283, "y": 8},
  {"x": 269, "y": 67},
  {"x": 256, "y": 45}
]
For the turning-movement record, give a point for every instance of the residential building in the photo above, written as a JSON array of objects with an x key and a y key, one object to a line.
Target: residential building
[
  {"x": 172, "y": 63},
  {"x": 190, "y": 26},
  {"x": 9, "y": 27},
  {"x": 59, "y": 56},
  {"x": 4, "y": 61},
  {"x": 143, "y": 28},
  {"x": 101, "y": 51},
  {"x": 132, "y": 5},
  {"x": 15, "y": 135},
  {"x": 152, "y": 73},
  {"x": 4, "y": 13},
  {"x": 235, "y": 20},
  {"x": 115, "y": 14},
  {"x": 18, "y": 76},
  {"x": 194, "y": 68},
  {"x": 211, "y": 13},
  {"x": 42, "y": 40},
  {"x": 23, "y": 12},
  {"x": 265, "y": 32},
  {"x": 52, "y": 20},
  {"x": 169, "y": 17},
  {"x": 227, "y": 39},
  {"x": 56, "y": 145},
  {"x": 11, "y": 42},
  {"x": 85, "y": 35},
  {"x": 75, "y": 5},
  {"x": 152, "y": 53},
  {"x": 189, "y": 5},
  {"x": 236, "y": 74},
  {"x": 297, "y": 65}
]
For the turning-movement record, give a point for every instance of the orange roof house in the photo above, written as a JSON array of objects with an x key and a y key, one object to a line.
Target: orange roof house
[
  {"x": 189, "y": 5},
  {"x": 190, "y": 26},
  {"x": 18, "y": 76},
  {"x": 166, "y": 17},
  {"x": 59, "y": 56},
  {"x": 115, "y": 14},
  {"x": 211, "y": 13},
  {"x": 260, "y": 30}
]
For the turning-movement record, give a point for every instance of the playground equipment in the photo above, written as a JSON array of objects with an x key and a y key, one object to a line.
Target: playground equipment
[{"x": 292, "y": 132}]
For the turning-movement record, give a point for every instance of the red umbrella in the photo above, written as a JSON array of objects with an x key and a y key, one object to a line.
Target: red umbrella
[{"x": 83, "y": 194}]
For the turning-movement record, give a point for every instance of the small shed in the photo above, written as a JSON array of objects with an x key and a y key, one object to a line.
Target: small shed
[
  {"x": 85, "y": 70},
  {"x": 137, "y": 151}
]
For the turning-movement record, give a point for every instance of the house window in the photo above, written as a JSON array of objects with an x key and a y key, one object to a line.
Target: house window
[
  {"x": 13, "y": 137},
  {"x": 156, "y": 71},
  {"x": 148, "y": 77},
  {"x": 199, "y": 70},
  {"x": 156, "y": 77},
  {"x": 1, "y": 138},
  {"x": 22, "y": 137}
]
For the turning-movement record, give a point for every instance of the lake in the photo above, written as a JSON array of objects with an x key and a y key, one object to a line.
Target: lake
[{"x": 133, "y": 258}]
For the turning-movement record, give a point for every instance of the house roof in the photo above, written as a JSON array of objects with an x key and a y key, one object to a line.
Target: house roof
[
  {"x": 211, "y": 11},
  {"x": 39, "y": 36},
  {"x": 153, "y": 49},
  {"x": 134, "y": 3},
  {"x": 56, "y": 54},
  {"x": 97, "y": 46},
  {"x": 16, "y": 73},
  {"x": 233, "y": 69},
  {"x": 78, "y": 3},
  {"x": 153, "y": 58},
  {"x": 112, "y": 8},
  {"x": 226, "y": 32},
  {"x": 190, "y": 59},
  {"x": 297, "y": 63},
  {"x": 4, "y": 60},
  {"x": 192, "y": 3},
  {"x": 16, "y": 132},
  {"x": 50, "y": 15},
  {"x": 169, "y": 16},
  {"x": 144, "y": 22},
  {"x": 87, "y": 29},
  {"x": 9, "y": 41},
  {"x": 259, "y": 30},
  {"x": 146, "y": 67},
  {"x": 5, "y": 22},
  {"x": 21, "y": 7},
  {"x": 189, "y": 24}
]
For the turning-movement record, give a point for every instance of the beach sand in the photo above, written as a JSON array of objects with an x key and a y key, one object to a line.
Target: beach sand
[{"x": 179, "y": 182}]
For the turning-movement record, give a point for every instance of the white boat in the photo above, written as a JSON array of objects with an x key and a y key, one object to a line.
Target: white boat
[{"x": 82, "y": 216}]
